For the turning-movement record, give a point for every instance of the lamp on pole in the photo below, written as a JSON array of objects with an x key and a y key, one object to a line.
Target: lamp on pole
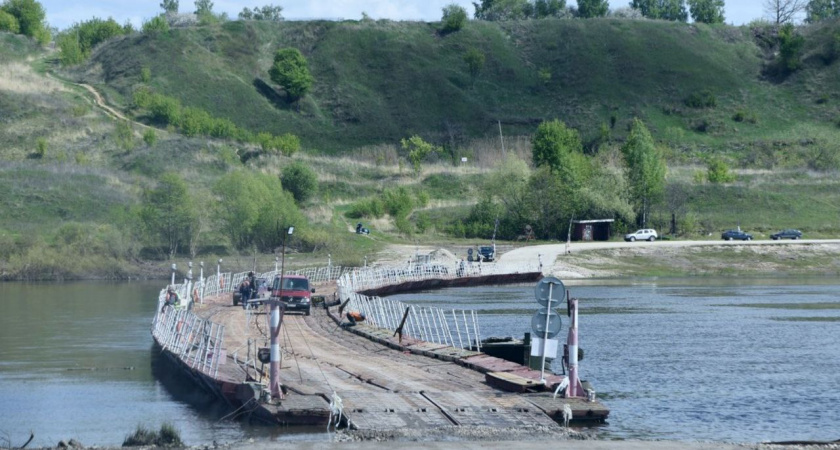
[
  {"x": 276, "y": 304},
  {"x": 174, "y": 268}
]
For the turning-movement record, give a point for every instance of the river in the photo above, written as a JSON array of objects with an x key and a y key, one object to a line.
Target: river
[{"x": 673, "y": 359}]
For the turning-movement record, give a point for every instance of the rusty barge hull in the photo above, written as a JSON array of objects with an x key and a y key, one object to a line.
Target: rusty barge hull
[
  {"x": 440, "y": 283},
  {"x": 240, "y": 397}
]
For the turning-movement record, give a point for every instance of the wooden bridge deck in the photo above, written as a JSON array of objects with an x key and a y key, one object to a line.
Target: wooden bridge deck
[{"x": 418, "y": 385}]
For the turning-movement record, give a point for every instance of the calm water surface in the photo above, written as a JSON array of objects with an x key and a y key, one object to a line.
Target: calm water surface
[
  {"x": 687, "y": 360},
  {"x": 677, "y": 359},
  {"x": 76, "y": 361}
]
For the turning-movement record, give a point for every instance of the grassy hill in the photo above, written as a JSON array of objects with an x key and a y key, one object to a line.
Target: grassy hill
[
  {"x": 378, "y": 82},
  {"x": 71, "y": 180}
]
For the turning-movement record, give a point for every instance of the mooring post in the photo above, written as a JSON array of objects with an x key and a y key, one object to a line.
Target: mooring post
[
  {"x": 575, "y": 389},
  {"x": 274, "y": 367}
]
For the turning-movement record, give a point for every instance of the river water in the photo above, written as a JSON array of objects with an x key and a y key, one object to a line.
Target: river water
[{"x": 673, "y": 359}]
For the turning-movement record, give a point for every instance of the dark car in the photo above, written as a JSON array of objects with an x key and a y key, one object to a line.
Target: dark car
[
  {"x": 487, "y": 252},
  {"x": 729, "y": 235},
  {"x": 786, "y": 234}
]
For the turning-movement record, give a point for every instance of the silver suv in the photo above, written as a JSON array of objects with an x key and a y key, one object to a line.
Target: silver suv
[{"x": 646, "y": 234}]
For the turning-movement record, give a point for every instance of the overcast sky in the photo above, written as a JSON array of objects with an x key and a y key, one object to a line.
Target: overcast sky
[{"x": 64, "y": 13}]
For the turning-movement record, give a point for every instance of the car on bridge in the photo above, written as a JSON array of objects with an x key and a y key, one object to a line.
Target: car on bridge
[
  {"x": 729, "y": 235},
  {"x": 786, "y": 234},
  {"x": 295, "y": 292}
]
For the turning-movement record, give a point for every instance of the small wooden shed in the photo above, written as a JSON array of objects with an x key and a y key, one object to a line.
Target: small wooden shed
[{"x": 591, "y": 230}]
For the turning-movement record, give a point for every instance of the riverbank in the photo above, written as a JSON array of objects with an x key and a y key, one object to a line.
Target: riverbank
[{"x": 577, "y": 260}]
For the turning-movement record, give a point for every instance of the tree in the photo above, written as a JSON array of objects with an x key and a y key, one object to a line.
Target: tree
[
  {"x": 706, "y": 11},
  {"x": 499, "y": 10},
  {"x": 548, "y": 8},
  {"x": 169, "y": 6},
  {"x": 645, "y": 168},
  {"x": 30, "y": 18},
  {"x": 475, "y": 61},
  {"x": 168, "y": 212},
  {"x": 300, "y": 180},
  {"x": 454, "y": 18},
  {"x": 203, "y": 7},
  {"x": 270, "y": 13},
  {"x": 790, "y": 47},
  {"x": 593, "y": 8},
  {"x": 417, "y": 150},
  {"x": 822, "y": 9},
  {"x": 156, "y": 25},
  {"x": 784, "y": 11},
  {"x": 558, "y": 147},
  {"x": 250, "y": 207},
  {"x": 291, "y": 71},
  {"x": 662, "y": 9},
  {"x": 9, "y": 23}
]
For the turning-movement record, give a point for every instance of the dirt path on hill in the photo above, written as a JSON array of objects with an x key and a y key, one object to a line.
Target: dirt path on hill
[{"x": 99, "y": 101}]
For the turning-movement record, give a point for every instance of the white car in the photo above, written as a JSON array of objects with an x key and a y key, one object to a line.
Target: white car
[{"x": 646, "y": 234}]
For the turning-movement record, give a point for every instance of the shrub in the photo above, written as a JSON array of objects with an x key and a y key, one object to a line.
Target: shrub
[
  {"x": 291, "y": 71},
  {"x": 718, "y": 171},
  {"x": 790, "y": 48},
  {"x": 145, "y": 74},
  {"x": 149, "y": 137},
  {"x": 398, "y": 202},
  {"x": 742, "y": 115},
  {"x": 300, "y": 181},
  {"x": 30, "y": 18},
  {"x": 124, "y": 135},
  {"x": 40, "y": 148},
  {"x": 156, "y": 25},
  {"x": 454, "y": 18},
  {"x": 701, "y": 99},
  {"x": 168, "y": 436},
  {"x": 9, "y": 23},
  {"x": 366, "y": 207}
]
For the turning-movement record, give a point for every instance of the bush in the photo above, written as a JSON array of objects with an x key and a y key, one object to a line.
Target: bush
[
  {"x": 145, "y": 74},
  {"x": 701, "y": 99},
  {"x": 40, "y": 148},
  {"x": 149, "y": 137},
  {"x": 29, "y": 15},
  {"x": 156, "y": 25},
  {"x": 790, "y": 48},
  {"x": 454, "y": 18},
  {"x": 398, "y": 202},
  {"x": 168, "y": 436},
  {"x": 124, "y": 135},
  {"x": 367, "y": 207},
  {"x": 742, "y": 115},
  {"x": 9, "y": 23},
  {"x": 718, "y": 171},
  {"x": 300, "y": 181}
]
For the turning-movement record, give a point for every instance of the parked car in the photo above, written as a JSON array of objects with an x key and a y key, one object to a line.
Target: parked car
[
  {"x": 729, "y": 235},
  {"x": 786, "y": 234},
  {"x": 646, "y": 234},
  {"x": 295, "y": 293},
  {"x": 487, "y": 253}
]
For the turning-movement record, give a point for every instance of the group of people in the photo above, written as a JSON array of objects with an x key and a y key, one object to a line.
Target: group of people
[{"x": 248, "y": 289}]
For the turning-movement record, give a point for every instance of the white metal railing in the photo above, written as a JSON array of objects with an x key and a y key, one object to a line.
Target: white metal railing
[
  {"x": 376, "y": 277},
  {"x": 453, "y": 327},
  {"x": 196, "y": 341}
]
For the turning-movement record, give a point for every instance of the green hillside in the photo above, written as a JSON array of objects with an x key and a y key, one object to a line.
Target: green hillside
[
  {"x": 378, "y": 82},
  {"x": 74, "y": 180}
]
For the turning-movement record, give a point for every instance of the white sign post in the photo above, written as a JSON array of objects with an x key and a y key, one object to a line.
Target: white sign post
[{"x": 546, "y": 323}]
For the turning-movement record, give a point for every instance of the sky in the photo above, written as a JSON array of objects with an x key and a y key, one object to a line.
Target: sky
[{"x": 64, "y": 13}]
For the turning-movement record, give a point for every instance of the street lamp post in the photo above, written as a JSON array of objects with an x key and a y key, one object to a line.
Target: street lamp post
[{"x": 274, "y": 368}]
